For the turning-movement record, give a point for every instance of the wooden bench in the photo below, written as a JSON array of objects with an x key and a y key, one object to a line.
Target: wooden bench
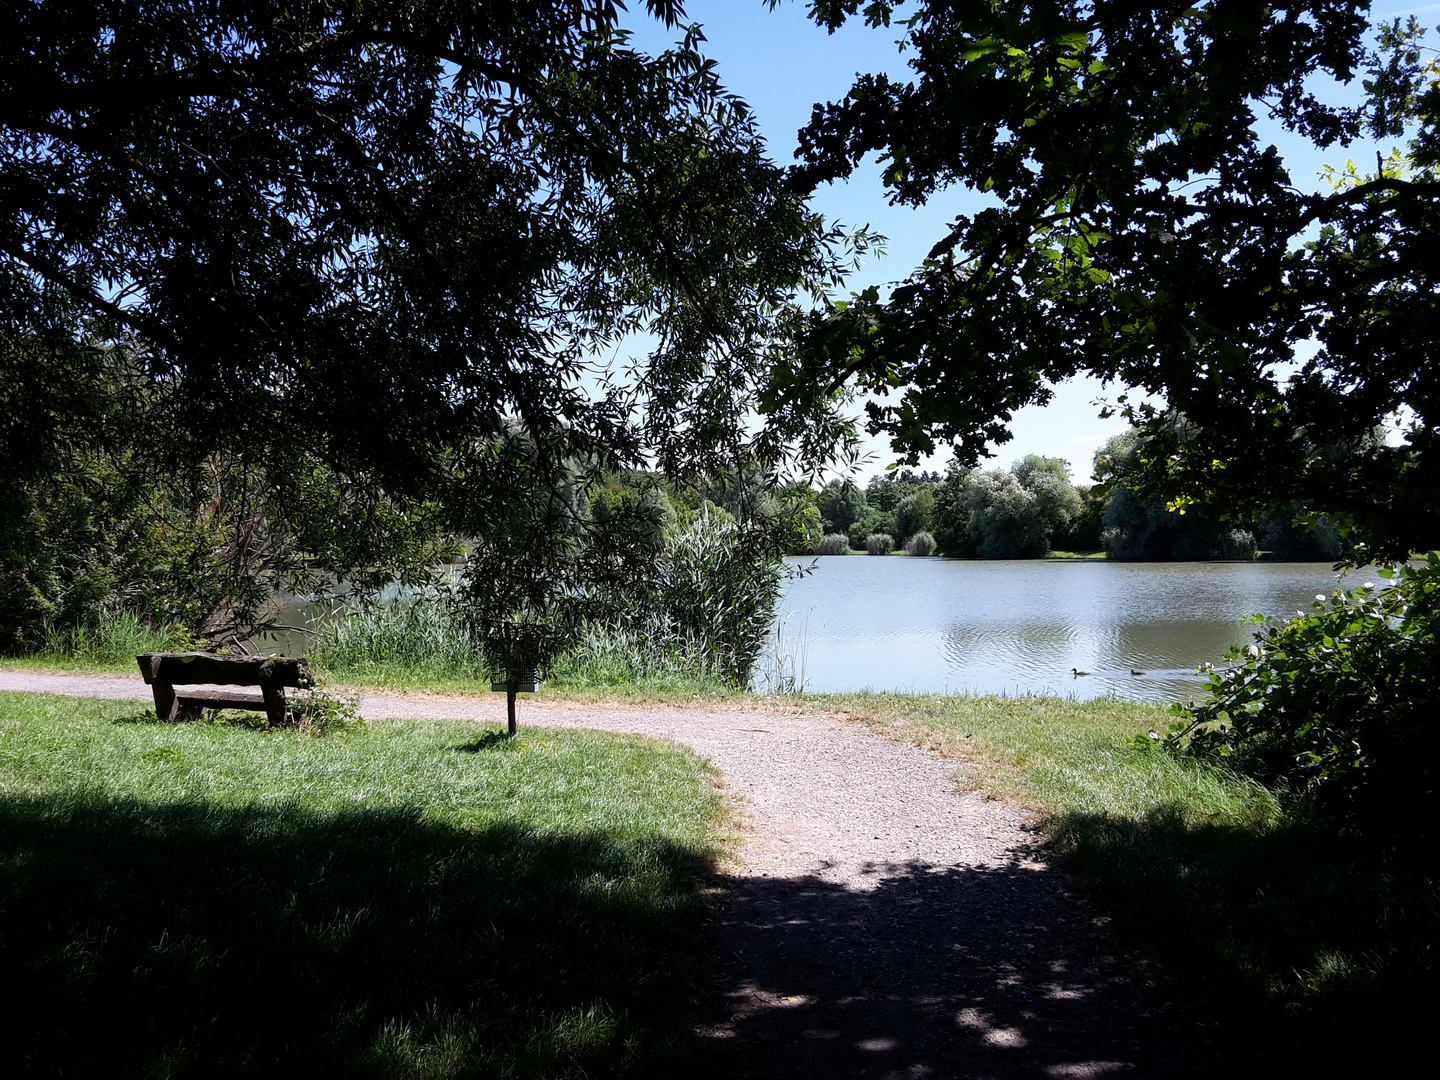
[{"x": 165, "y": 671}]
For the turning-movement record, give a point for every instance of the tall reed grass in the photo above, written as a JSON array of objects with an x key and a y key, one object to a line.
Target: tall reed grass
[
  {"x": 111, "y": 643},
  {"x": 405, "y": 640},
  {"x": 921, "y": 545},
  {"x": 426, "y": 641}
]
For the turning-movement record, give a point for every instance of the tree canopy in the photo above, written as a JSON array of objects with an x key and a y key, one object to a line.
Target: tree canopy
[
  {"x": 1138, "y": 225},
  {"x": 385, "y": 227},
  {"x": 377, "y": 239}
]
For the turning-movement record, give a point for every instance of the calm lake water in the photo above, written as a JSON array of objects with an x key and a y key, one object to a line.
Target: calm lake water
[{"x": 936, "y": 625}]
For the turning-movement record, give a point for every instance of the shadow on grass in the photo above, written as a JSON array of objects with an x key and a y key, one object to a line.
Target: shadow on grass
[
  {"x": 1317, "y": 954},
  {"x": 188, "y": 939},
  {"x": 491, "y": 740},
  {"x": 251, "y": 721}
]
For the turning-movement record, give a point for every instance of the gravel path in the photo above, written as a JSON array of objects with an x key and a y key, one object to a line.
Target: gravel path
[{"x": 879, "y": 922}]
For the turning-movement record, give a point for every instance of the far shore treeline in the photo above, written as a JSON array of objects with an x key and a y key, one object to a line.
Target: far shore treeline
[{"x": 1033, "y": 509}]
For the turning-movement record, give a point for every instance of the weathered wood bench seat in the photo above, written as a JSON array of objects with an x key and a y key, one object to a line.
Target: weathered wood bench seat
[{"x": 165, "y": 671}]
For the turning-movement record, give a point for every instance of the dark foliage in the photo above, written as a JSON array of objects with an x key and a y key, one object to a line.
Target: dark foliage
[
  {"x": 841, "y": 505},
  {"x": 1293, "y": 535},
  {"x": 368, "y": 241},
  {"x": 1338, "y": 707}
]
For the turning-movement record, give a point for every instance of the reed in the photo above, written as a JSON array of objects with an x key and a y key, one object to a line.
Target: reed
[
  {"x": 111, "y": 644},
  {"x": 427, "y": 642},
  {"x": 647, "y": 657},
  {"x": 921, "y": 545},
  {"x": 879, "y": 544},
  {"x": 399, "y": 642}
]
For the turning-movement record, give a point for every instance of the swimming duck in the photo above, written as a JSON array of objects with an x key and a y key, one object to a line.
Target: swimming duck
[
  {"x": 1077, "y": 672},
  {"x": 1134, "y": 671}
]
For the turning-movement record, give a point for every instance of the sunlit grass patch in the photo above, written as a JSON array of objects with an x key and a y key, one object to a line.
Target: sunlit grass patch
[
  {"x": 406, "y": 899},
  {"x": 1056, "y": 754}
]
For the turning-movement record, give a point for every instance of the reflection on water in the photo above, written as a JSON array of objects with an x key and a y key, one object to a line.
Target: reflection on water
[{"x": 936, "y": 625}]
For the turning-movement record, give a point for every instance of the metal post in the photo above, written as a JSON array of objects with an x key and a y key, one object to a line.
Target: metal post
[{"x": 510, "y": 704}]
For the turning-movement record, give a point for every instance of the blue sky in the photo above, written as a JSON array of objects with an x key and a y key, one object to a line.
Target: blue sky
[{"x": 781, "y": 63}]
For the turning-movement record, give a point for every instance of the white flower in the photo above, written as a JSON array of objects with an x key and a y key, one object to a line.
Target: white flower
[
  {"x": 1320, "y": 596},
  {"x": 1369, "y": 584}
]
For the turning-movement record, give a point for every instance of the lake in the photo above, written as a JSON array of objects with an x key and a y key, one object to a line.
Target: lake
[{"x": 949, "y": 626}]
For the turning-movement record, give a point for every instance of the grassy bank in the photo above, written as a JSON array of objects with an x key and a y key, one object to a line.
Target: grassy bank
[
  {"x": 418, "y": 899},
  {"x": 418, "y": 647},
  {"x": 1315, "y": 954}
]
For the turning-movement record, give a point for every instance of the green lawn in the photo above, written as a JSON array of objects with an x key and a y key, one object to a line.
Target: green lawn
[
  {"x": 1313, "y": 953},
  {"x": 410, "y": 899}
]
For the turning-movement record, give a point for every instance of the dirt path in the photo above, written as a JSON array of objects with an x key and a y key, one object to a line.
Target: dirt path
[{"x": 880, "y": 922}]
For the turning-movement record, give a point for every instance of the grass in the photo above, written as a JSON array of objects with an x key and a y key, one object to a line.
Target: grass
[
  {"x": 1314, "y": 953},
  {"x": 1279, "y": 928},
  {"x": 1085, "y": 556},
  {"x": 410, "y": 899}
]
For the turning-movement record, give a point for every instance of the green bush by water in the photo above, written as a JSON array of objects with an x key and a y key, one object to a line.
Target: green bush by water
[
  {"x": 409, "y": 899},
  {"x": 920, "y": 545},
  {"x": 1338, "y": 706}
]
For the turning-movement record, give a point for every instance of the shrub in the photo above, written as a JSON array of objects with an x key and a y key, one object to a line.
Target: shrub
[
  {"x": 318, "y": 712},
  {"x": 915, "y": 513},
  {"x": 921, "y": 544},
  {"x": 834, "y": 544},
  {"x": 1238, "y": 544},
  {"x": 879, "y": 543},
  {"x": 718, "y": 586},
  {"x": 1337, "y": 706}
]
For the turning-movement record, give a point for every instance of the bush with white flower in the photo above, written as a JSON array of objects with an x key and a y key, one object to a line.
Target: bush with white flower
[{"x": 1341, "y": 706}]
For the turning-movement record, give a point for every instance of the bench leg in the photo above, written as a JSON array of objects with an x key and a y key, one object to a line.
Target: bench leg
[
  {"x": 274, "y": 703},
  {"x": 166, "y": 707}
]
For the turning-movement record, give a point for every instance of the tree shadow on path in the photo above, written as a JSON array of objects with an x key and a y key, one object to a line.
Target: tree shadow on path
[{"x": 937, "y": 972}]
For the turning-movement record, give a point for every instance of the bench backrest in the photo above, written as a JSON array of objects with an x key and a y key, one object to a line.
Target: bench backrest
[{"x": 180, "y": 669}]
